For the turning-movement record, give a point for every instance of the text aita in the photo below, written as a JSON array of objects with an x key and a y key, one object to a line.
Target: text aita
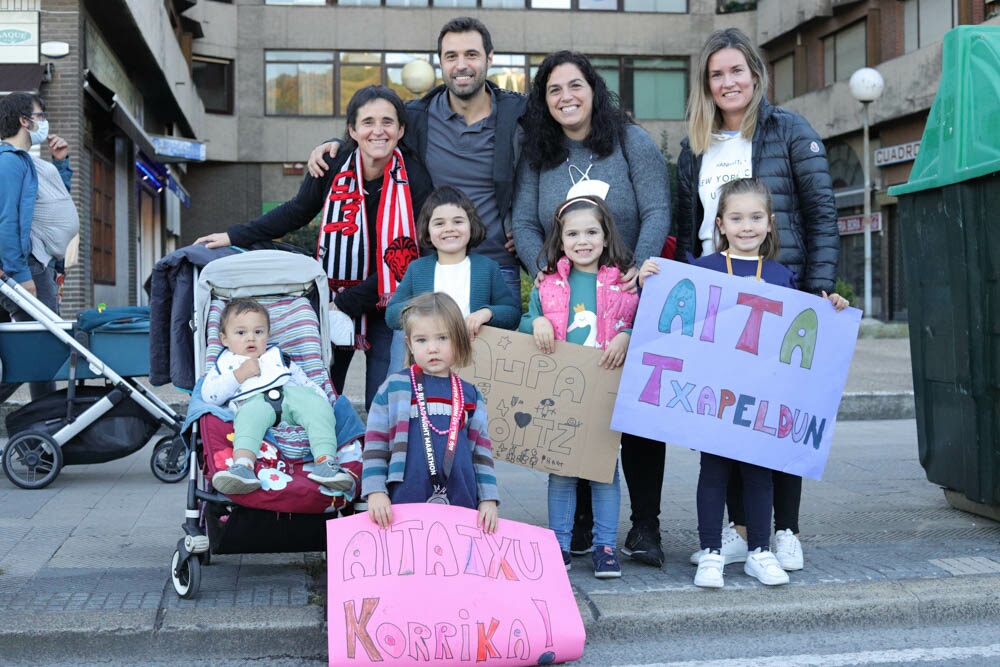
[{"x": 682, "y": 302}]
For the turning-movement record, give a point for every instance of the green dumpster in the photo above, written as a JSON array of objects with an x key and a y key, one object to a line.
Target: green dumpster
[{"x": 949, "y": 215}]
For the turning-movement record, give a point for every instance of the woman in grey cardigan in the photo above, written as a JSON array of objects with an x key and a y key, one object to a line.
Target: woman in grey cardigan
[{"x": 578, "y": 140}]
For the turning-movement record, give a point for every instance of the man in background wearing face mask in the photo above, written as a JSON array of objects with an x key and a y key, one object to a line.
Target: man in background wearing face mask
[
  {"x": 20, "y": 123},
  {"x": 55, "y": 221}
]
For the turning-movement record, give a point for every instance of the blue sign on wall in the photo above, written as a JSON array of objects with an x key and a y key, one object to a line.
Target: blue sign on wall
[{"x": 178, "y": 148}]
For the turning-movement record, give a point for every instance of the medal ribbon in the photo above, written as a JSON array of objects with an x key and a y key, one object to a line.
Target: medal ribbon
[{"x": 438, "y": 478}]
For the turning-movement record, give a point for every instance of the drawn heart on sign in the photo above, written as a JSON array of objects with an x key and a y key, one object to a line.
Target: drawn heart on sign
[{"x": 522, "y": 419}]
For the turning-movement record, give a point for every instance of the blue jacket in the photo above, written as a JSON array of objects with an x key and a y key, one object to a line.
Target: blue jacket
[
  {"x": 18, "y": 190},
  {"x": 486, "y": 290}
]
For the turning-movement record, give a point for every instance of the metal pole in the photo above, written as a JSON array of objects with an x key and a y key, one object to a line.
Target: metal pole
[{"x": 868, "y": 215}]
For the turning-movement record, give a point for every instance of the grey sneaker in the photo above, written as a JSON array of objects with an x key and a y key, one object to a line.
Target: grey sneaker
[
  {"x": 332, "y": 476},
  {"x": 238, "y": 479}
]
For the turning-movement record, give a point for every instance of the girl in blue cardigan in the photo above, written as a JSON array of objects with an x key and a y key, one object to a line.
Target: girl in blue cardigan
[{"x": 449, "y": 223}]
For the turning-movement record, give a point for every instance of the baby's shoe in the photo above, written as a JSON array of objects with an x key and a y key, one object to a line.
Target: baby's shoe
[
  {"x": 237, "y": 480},
  {"x": 331, "y": 475},
  {"x": 788, "y": 550},
  {"x": 763, "y": 566},
  {"x": 709, "y": 574}
]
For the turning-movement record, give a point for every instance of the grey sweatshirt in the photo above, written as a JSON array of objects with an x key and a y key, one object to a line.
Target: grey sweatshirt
[{"x": 639, "y": 196}]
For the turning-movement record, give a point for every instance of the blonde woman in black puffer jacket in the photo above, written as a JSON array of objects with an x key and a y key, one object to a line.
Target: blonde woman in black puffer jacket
[{"x": 733, "y": 132}]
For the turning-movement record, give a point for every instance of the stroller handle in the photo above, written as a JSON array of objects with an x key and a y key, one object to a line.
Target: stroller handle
[{"x": 26, "y": 300}]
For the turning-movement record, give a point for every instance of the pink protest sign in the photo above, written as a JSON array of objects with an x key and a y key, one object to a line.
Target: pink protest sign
[{"x": 434, "y": 589}]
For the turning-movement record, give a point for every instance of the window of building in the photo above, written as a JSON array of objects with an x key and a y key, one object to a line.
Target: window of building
[
  {"x": 660, "y": 6},
  {"x": 299, "y": 83},
  {"x": 649, "y": 88},
  {"x": 102, "y": 220},
  {"x": 664, "y": 6},
  {"x": 844, "y": 52},
  {"x": 926, "y": 21},
  {"x": 305, "y": 83},
  {"x": 509, "y": 72},
  {"x": 783, "y": 78},
  {"x": 213, "y": 77}
]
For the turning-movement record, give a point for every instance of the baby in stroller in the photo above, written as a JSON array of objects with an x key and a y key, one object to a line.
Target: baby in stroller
[{"x": 262, "y": 386}]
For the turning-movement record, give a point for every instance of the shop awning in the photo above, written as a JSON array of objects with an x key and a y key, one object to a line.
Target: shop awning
[
  {"x": 169, "y": 151},
  {"x": 149, "y": 163},
  {"x": 23, "y": 77}
]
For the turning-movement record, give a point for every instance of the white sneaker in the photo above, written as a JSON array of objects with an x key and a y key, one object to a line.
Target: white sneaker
[
  {"x": 734, "y": 547},
  {"x": 763, "y": 566},
  {"x": 788, "y": 550},
  {"x": 709, "y": 574}
]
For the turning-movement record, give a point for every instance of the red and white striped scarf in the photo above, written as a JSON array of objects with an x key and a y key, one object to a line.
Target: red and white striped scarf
[{"x": 344, "y": 242}]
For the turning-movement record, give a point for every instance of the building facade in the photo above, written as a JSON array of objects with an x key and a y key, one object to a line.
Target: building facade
[
  {"x": 813, "y": 47},
  {"x": 246, "y": 89},
  {"x": 115, "y": 76}
]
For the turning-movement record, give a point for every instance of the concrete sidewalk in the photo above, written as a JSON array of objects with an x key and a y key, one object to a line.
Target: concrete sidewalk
[{"x": 84, "y": 563}]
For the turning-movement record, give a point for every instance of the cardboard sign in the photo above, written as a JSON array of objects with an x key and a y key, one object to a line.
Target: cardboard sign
[
  {"x": 550, "y": 412},
  {"x": 434, "y": 589},
  {"x": 736, "y": 367}
]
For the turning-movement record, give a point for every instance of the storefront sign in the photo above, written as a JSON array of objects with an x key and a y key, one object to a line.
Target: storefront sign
[
  {"x": 855, "y": 224},
  {"x": 893, "y": 154},
  {"x": 172, "y": 149},
  {"x": 19, "y": 37}
]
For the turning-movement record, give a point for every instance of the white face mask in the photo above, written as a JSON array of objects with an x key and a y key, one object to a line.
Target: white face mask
[{"x": 41, "y": 133}]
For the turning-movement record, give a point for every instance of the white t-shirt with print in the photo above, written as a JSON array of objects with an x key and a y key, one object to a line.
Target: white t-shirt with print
[{"x": 727, "y": 159}]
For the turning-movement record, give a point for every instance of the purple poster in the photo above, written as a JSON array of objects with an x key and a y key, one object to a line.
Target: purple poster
[{"x": 736, "y": 367}]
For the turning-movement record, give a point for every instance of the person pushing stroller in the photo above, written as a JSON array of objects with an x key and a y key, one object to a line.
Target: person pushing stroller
[{"x": 262, "y": 387}]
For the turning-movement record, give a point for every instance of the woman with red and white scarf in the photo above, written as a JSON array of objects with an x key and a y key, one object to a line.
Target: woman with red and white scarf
[{"x": 368, "y": 237}]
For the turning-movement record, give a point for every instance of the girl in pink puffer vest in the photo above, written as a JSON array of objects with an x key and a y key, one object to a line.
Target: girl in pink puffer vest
[{"x": 580, "y": 300}]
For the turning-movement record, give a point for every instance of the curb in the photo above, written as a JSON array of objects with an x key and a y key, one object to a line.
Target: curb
[
  {"x": 854, "y": 406},
  {"x": 238, "y": 633},
  {"x": 232, "y": 633},
  {"x": 913, "y": 602},
  {"x": 871, "y": 405}
]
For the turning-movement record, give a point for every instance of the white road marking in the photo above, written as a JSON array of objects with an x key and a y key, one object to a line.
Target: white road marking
[{"x": 895, "y": 656}]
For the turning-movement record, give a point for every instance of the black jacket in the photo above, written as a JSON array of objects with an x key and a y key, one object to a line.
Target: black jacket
[
  {"x": 171, "y": 306},
  {"x": 510, "y": 107},
  {"x": 789, "y": 157}
]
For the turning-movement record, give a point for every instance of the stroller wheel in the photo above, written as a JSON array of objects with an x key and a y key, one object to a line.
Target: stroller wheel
[
  {"x": 169, "y": 462},
  {"x": 32, "y": 459},
  {"x": 185, "y": 575}
]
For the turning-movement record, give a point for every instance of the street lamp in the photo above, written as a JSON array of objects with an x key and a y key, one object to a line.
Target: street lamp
[
  {"x": 418, "y": 76},
  {"x": 866, "y": 85}
]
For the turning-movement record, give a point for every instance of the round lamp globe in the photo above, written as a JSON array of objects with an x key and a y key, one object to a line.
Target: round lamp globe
[
  {"x": 866, "y": 84},
  {"x": 418, "y": 76}
]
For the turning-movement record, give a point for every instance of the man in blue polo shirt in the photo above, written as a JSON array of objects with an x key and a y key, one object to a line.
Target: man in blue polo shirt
[{"x": 466, "y": 133}]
